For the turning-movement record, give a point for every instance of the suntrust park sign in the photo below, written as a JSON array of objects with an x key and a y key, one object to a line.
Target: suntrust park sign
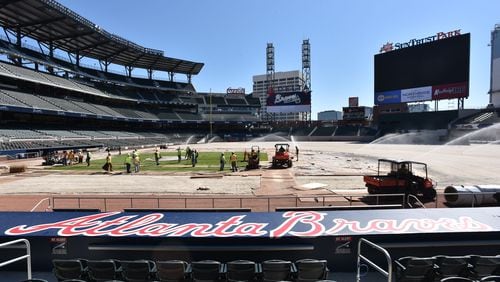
[{"x": 389, "y": 46}]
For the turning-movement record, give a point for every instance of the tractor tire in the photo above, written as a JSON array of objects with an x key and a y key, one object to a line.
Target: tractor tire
[
  {"x": 372, "y": 189},
  {"x": 290, "y": 163},
  {"x": 429, "y": 193},
  {"x": 412, "y": 189}
]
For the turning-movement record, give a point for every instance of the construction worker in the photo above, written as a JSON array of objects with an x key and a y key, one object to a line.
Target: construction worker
[
  {"x": 222, "y": 161},
  {"x": 71, "y": 157},
  {"x": 128, "y": 162},
  {"x": 404, "y": 169},
  {"x": 109, "y": 164},
  {"x": 157, "y": 157},
  {"x": 297, "y": 152},
  {"x": 194, "y": 155},
  {"x": 137, "y": 163},
  {"x": 87, "y": 159},
  {"x": 179, "y": 154},
  {"x": 234, "y": 162}
]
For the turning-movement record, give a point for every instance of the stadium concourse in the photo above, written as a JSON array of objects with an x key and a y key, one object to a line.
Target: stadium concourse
[{"x": 324, "y": 168}]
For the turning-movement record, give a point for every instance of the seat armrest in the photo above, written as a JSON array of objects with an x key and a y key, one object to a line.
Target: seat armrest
[
  {"x": 222, "y": 268},
  {"x": 399, "y": 265},
  {"x": 293, "y": 268}
]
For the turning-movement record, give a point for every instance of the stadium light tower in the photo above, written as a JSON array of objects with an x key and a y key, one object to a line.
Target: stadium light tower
[
  {"x": 270, "y": 63},
  {"x": 306, "y": 64},
  {"x": 269, "y": 68},
  {"x": 306, "y": 70}
]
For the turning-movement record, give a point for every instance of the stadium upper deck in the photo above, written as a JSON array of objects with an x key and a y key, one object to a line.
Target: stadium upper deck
[
  {"x": 52, "y": 24},
  {"x": 40, "y": 89}
]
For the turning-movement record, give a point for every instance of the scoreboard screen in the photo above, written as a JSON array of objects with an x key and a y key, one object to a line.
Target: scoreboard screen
[{"x": 430, "y": 71}]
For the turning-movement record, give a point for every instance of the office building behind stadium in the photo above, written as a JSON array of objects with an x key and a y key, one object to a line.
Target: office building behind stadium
[
  {"x": 283, "y": 82},
  {"x": 495, "y": 67}
]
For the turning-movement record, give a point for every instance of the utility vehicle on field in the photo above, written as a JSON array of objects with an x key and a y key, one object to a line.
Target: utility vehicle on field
[
  {"x": 282, "y": 156},
  {"x": 407, "y": 177}
]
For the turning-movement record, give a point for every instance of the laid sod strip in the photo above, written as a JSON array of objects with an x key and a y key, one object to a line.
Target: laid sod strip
[{"x": 207, "y": 161}]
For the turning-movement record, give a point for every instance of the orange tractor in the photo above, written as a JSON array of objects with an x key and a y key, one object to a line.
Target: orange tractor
[
  {"x": 282, "y": 157},
  {"x": 407, "y": 177},
  {"x": 254, "y": 158}
]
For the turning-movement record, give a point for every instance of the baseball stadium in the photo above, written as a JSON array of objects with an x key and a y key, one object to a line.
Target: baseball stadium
[{"x": 115, "y": 176}]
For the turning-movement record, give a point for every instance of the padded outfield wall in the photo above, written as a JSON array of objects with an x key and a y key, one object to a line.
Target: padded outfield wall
[{"x": 225, "y": 236}]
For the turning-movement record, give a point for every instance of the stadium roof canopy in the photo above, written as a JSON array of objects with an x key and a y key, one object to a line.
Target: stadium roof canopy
[{"x": 48, "y": 21}]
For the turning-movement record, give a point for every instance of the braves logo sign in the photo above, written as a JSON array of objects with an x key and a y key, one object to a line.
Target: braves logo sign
[
  {"x": 296, "y": 223},
  {"x": 287, "y": 99}
]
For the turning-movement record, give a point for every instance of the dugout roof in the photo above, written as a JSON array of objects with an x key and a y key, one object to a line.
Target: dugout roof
[{"x": 48, "y": 21}]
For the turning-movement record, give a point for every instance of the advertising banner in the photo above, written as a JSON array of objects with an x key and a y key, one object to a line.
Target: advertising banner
[
  {"x": 246, "y": 225},
  {"x": 289, "y": 102},
  {"x": 416, "y": 94},
  {"x": 450, "y": 91},
  {"x": 388, "y": 97},
  {"x": 427, "y": 93}
]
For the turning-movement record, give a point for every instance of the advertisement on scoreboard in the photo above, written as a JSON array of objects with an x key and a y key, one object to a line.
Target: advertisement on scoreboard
[
  {"x": 289, "y": 102},
  {"x": 427, "y": 93}
]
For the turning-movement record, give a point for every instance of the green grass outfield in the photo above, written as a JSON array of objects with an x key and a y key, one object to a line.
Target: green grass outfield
[{"x": 207, "y": 161}]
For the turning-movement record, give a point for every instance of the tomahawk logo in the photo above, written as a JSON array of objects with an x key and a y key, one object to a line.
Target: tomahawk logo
[{"x": 386, "y": 47}]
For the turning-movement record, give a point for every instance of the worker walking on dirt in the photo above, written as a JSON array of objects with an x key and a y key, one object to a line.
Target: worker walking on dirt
[
  {"x": 222, "y": 161},
  {"x": 297, "y": 152},
  {"x": 234, "y": 162},
  {"x": 179, "y": 154}
]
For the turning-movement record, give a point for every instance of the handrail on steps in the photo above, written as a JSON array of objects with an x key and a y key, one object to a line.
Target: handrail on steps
[{"x": 27, "y": 256}]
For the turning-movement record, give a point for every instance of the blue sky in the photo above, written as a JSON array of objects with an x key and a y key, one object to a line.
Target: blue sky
[{"x": 230, "y": 37}]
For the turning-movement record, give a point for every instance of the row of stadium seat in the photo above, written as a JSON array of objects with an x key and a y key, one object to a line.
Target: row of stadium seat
[
  {"x": 79, "y": 85},
  {"x": 20, "y": 99},
  {"x": 442, "y": 267},
  {"x": 33, "y": 54},
  {"x": 26, "y": 100},
  {"x": 342, "y": 130},
  {"x": 47, "y": 134},
  {"x": 305, "y": 270}
]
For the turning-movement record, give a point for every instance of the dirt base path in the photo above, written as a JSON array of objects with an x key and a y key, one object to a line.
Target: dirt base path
[{"x": 276, "y": 182}]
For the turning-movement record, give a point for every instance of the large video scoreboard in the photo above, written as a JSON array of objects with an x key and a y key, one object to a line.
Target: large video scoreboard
[{"x": 432, "y": 68}]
